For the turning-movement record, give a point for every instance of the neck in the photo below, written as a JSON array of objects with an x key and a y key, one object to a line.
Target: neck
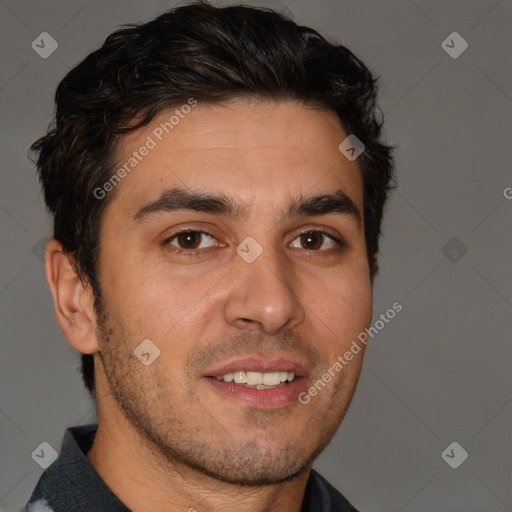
[{"x": 145, "y": 482}]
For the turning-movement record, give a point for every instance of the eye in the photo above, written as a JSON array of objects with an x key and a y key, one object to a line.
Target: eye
[
  {"x": 313, "y": 240},
  {"x": 189, "y": 241}
]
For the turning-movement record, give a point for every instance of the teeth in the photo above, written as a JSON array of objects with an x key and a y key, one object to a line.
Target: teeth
[
  {"x": 239, "y": 377},
  {"x": 254, "y": 378},
  {"x": 258, "y": 379},
  {"x": 272, "y": 378}
]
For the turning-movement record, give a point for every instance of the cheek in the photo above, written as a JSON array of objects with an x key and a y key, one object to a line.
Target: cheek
[
  {"x": 343, "y": 305},
  {"x": 160, "y": 302}
]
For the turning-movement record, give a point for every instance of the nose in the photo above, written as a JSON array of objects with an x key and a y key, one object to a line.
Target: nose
[{"x": 264, "y": 295}]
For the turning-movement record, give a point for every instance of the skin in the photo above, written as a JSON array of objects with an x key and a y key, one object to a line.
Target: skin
[{"x": 166, "y": 439}]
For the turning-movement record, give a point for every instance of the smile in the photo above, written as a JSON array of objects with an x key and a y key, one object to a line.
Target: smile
[{"x": 258, "y": 380}]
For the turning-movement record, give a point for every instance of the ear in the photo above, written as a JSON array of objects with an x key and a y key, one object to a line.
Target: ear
[{"x": 73, "y": 301}]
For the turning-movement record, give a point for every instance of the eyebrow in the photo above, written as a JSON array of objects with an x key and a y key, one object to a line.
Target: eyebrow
[{"x": 178, "y": 199}]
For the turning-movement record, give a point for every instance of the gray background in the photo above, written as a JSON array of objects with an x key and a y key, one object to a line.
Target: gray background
[{"x": 439, "y": 372}]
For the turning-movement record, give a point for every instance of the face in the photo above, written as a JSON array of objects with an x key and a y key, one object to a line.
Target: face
[{"x": 256, "y": 282}]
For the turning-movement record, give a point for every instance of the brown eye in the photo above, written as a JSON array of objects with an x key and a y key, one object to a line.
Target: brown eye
[
  {"x": 189, "y": 240},
  {"x": 314, "y": 240}
]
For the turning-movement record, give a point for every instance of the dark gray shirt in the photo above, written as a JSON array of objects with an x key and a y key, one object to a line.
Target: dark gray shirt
[{"x": 71, "y": 484}]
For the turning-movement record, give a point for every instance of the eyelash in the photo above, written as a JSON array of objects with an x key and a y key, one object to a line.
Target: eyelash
[{"x": 197, "y": 252}]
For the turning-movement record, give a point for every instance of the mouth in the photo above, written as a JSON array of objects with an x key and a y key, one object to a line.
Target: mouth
[
  {"x": 257, "y": 380},
  {"x": 259, "y": 384}
]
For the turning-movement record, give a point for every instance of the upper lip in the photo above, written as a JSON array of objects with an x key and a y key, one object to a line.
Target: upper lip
[{"x": 258, "y": 364}]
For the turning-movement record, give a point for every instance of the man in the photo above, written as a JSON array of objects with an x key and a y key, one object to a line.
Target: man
[{"x": 217, "y": 181}]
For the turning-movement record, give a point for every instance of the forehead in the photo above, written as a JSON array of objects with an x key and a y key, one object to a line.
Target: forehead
[{"x": 258, "y": 151}]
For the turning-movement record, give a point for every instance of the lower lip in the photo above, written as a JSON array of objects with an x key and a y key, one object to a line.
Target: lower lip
[{"x": 260, "y": 398}]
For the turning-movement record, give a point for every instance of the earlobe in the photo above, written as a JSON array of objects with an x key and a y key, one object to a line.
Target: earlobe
[{"x": 73, "y": 301}]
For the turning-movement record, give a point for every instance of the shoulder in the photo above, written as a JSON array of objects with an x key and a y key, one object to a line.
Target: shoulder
[
  {"x": 39, "y": 505},
  {"x": 321, "y": 496}
]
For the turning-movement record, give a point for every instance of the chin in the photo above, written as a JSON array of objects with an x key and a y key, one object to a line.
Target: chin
[{"x": 258, "y": 474}]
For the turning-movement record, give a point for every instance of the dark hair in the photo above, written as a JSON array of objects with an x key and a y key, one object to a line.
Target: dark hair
[{"x": 213, "y": 55}]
